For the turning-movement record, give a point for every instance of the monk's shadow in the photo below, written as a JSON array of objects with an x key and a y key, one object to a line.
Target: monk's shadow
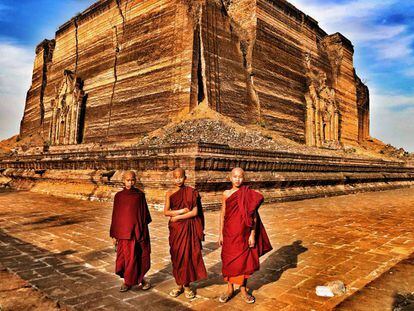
[
  {"x": 270, "y": 271},
  {"x": 276, "y": 264}
]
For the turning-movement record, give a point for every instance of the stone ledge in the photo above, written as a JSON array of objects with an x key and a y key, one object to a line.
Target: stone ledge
[{"x": 281, "y": 176}]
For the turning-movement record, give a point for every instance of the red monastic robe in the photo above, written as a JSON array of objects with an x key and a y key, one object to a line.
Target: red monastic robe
[
  {"x": 239, "y": 260},
  {"x": 130, "y": 219},
  {"x": 185, "y": 238}
]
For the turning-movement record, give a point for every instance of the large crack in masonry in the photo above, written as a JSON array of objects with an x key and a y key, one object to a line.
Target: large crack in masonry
[
  {"x": 225, "y": 4},
  {"x": 75, "y": 22},
  {"x": 117, "y": 51},
  {"x": 199, "y": 80},
  {"x": 48, "y": 48},
  {"x": 115, "y": 78},
  {"x": 200, "y": 76},
  {"x": 194, "y": 10},
  {"x": 247, "y": 50},
  {"x": 244, "y": 24},
  {"x": 201, "y": 71},
  {"x": 118, "y": 4}
]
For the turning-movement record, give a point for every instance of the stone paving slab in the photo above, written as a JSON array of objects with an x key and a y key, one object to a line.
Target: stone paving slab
[
  {"x": 394, "y": 290},
  {"x": 62, "y": 247},
  {"x": 18, "y": 295}
]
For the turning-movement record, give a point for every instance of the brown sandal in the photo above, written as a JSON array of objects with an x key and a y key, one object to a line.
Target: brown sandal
[
  {"x": 189, "y": 294},
  {"x": 176, "y": 292},
  {"x": 225, "y": 297},
  {"x": 145, "y": 285},
  {"x": 248, "y": 299},
  {"x": 124, "y": 288}
]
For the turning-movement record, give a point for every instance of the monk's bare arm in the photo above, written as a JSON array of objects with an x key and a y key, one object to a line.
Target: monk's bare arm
[
  {"x": 168, "y": 212},
  {"x": 252, "y": 237},
  {"x": 254, "y": 225},
  {"x": 190, "y": 214}
]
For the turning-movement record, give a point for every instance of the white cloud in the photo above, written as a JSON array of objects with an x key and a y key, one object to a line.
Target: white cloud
[
  {"x": 16, "y": 65},
  {"x": 326, "y": 12},
  {"x": 409, "y": 72},
  {"x": 395, "y": 128},
  {"x": 396, "y": 48},
  {"x": 392, "y": 118},
  {"x": 360, "y": 32},
  {"x": 354, "y": 20}
]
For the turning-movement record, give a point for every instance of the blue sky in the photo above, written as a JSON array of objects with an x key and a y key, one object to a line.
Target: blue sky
[{"x": 382, "y": 32}]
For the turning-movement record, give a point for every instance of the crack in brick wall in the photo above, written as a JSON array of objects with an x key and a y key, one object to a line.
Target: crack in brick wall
[
  {"x": 48, "y": 49},
  {"x": 117, "y": 50},
  {"x": 75, "y": 22}
]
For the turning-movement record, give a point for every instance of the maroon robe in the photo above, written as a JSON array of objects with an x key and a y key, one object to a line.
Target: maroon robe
[
  {"x": 237, "y": 257},
  {"x": 130, "y": 219},
  {"x": 185, "y": 238}
]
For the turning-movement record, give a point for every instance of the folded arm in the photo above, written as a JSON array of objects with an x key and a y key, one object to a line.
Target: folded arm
[
  {"x": 190, "y": 214},
  {"x": 170, "y": 213}
]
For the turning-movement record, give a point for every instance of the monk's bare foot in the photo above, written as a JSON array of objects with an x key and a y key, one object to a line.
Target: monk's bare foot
[
  {"x": 176, "y": 292},
  {"x": 124, "y": 288},
  {"x": 245, "y": 295},
  {"x": 145, "y": 285},
  {"x": 248, "y": 298},
  {"x": 226, "y": 297},
  {"x": 189, "y": 293}
]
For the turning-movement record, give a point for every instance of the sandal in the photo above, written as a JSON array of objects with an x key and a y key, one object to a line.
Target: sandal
[
  {"x": 176, "y": 292},
  {"x": 145, "y": 285},
  {"x": 189, "y": 294},
  {"x": 225, "y": 297},
  {"x": 249, "y": 299},
  {"x": 124, "y": 288}
]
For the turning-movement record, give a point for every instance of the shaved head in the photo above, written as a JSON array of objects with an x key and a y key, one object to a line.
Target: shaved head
[
  {"x": 179, "y": 177},
  {"x": 129, "y": 175},
  {"x": 236, "y": 177},
  {"x": 179, "y": 172},
  {"x": 130, "y": 178},
  {"x": 237, "y": 170}
]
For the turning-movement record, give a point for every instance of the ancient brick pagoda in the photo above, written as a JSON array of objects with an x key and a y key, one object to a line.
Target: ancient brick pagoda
[
  {"x": 142, "y": 62},
  {"x": 125, "y": 68}
]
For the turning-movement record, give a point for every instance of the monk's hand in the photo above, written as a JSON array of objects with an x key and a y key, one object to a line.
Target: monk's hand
[
  {"x": 173, "y": 219},
  {"x": 114, "y": 241},
  {"x": 252, "y": 241},
  {"x": 185, "y": 210},
  {"x": 220, "y": 240}
]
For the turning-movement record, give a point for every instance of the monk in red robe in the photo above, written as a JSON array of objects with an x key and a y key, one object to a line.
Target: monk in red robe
[
  {"x": 130, "y": 234},
  {"x": 242, "y": 235},
  {"x": 186, "y": 226}
]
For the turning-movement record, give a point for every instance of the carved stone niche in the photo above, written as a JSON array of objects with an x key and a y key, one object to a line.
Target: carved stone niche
[
  {"x": 322, "y": 112},
  {"x": 66, "y": 126}
]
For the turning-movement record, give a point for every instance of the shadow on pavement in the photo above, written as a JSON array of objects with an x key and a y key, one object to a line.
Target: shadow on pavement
[
  {"x": 270, "y": 271},
  {"x": 166, "y": 273},
  {"x": 403, "y": 302},
  {"x": 54, "y": 221},
  {"x": 276, "y": 263},
  {"x": 73, "y": 283}
]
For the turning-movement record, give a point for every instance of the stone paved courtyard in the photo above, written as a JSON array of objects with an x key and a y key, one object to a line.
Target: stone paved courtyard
[
  {"x": 18, "y": 295},
  {"x": 62, "y": 247},
  {"x": 392, "y": 290}
]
